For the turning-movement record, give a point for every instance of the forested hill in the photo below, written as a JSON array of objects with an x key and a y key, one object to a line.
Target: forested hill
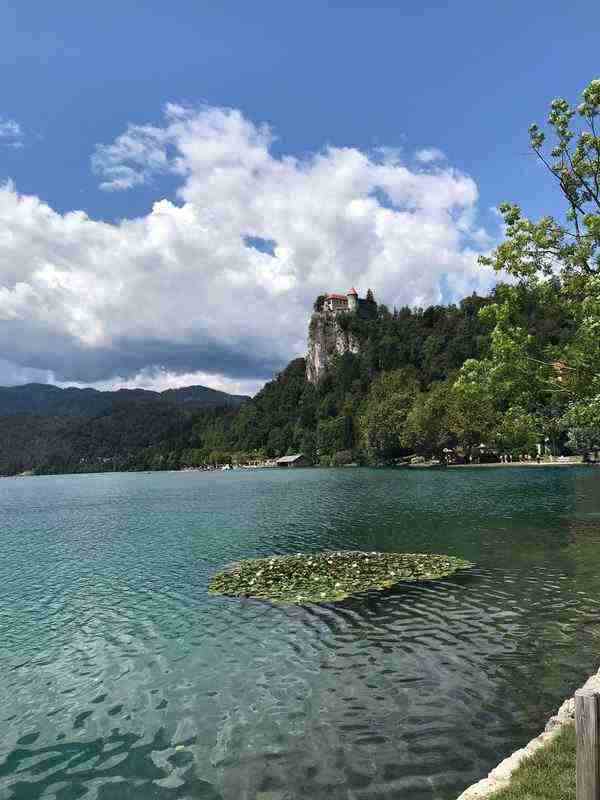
[
  {"x": 48, "y": 429},
  {"x": 405, "y": 391},
  {"x": 47, "y": 400},
  {"x": 514, "y": 373},
  {"x": 414, "y": 348},
  {"x": 400, "y": 394}
]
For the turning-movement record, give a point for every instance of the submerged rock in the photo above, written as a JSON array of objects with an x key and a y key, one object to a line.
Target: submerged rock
[{"x": 327, "y": 576}]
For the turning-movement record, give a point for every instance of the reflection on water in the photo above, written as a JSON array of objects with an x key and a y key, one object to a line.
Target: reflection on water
[{"x": 122, "y": 678}]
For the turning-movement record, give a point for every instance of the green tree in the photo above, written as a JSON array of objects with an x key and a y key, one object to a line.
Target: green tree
[
  {"x": 388, "y": 404},
  {"x": 553, "y": 259},
  {"x": 334, "y": 434},
  {"x": 308, "y": 445},
  {"x": 427, "y": 429},
  {"x": 582, "y": 422},
  {"x": 276, "y": 443},
  {"x": 532, "y": 248},
  {"x": 518, "y": 431},
  {"x": 472, "y": 414},
  {"x": 319, "y": 302}
]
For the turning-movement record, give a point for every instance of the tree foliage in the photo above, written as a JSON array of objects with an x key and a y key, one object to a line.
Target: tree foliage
[
  {"x": 558, "y": 263},
  {"x": 386, "y": 409},
  {"x": 512, "y": 370}
]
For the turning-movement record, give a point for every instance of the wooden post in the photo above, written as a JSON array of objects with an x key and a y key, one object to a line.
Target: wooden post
[{"x": 587, "y": 722}]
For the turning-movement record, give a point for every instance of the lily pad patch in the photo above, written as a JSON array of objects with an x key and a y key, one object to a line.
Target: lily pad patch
[{"x": 329, "y": 576}]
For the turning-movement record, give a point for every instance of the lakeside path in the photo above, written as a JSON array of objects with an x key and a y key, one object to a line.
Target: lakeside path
[
  {"x": 521, "y": 464},
  {"x": 500, "y": 777}
]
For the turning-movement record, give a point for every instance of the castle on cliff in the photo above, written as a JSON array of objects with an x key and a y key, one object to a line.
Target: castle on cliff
[
  {"x": 342, "y": 302},
  {"x": 349, "y": 302},
  {"x": 328, "y": 337}
]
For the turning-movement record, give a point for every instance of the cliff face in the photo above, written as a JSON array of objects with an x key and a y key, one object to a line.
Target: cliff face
[{"x": 325, "y": 340}]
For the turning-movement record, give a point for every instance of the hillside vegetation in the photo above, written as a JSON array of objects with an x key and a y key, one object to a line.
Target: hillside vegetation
[
  {"x": 48, "y": 429},
  {"x": 47, "y": 400},
  {"x": 512, "y": 371},
  {"x": 403, "y": 393}
]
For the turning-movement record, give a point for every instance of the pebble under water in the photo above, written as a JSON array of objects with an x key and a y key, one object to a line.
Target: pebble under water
[{"x": 123, "y": 678}]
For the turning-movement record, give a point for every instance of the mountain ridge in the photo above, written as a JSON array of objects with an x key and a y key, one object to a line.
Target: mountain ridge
[{"x": 44, "y": 399}]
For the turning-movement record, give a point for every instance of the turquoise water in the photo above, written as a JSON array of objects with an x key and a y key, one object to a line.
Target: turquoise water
[{"x": 122, "y": 678}]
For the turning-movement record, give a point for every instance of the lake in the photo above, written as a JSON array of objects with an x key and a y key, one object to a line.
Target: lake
[{"x": 122, "y": 678}]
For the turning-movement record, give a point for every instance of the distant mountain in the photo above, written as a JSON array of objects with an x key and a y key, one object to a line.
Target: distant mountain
[
  {"x": 48, "y": 429},
  {"x": 202, "y": 397},
  {"x": 47, "y": 400},
  {"x": 131, "y": 435}
]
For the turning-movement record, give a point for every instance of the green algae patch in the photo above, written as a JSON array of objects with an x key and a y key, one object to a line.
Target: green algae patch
[{"x": 329, "y": 576}]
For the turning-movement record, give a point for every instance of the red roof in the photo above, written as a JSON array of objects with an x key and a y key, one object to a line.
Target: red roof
[
  {"x": 336, "y": 297},
  {"x": 353, "y": 291}
]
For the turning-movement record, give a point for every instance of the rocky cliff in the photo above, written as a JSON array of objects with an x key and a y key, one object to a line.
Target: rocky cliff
[{"x": 327, "y": 337}]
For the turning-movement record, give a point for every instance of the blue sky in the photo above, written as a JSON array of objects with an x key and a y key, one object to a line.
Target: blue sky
[{"x": 466, "y": 78}]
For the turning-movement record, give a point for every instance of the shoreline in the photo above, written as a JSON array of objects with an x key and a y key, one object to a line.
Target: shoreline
[
  {"x": 527, "y": 464},
  {"x": 408, "y": 467},
  {"x": 500, "y": 777}
]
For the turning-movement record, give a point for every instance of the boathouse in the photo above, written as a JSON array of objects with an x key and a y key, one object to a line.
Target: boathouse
[{"x": 297, "y": 460}]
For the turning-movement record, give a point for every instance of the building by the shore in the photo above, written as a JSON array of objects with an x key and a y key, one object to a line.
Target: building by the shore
[{"x": 297, "y": 460}]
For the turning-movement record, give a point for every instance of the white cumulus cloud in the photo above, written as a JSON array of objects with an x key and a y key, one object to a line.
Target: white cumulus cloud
[
  {"x": 159, "y": 379},
  {"x": 429, "y": 154},
  {"x": 11, "y": 133},
  {"x": 181, "y": 291}
]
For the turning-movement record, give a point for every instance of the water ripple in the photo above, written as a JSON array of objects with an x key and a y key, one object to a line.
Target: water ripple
[{"x": 122, "y": 678}]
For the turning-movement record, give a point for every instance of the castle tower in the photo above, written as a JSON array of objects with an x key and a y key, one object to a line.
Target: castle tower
[{"x": 352, "y": 300}]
